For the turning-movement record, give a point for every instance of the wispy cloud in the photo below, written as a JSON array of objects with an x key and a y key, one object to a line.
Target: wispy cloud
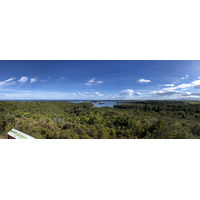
[
  {"x": 23, "y": 79},
  {"x": 169, "y": 85},
  {"x": 88, "y": 84},
  {"x": 179, "y": 80},
  {"x": 33, "y": 80},
  {"x": 92, "y": 82},
  {"x": 185, "y": 77},
  {"x": 98, "y": 94},
  {"x": 100, "y": 82},
  {"x": 142, "y": 80},
  {"x": 9, "y": 81}
]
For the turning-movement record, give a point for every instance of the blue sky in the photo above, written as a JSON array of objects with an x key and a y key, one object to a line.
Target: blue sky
[{"x": 60, "y": 80}]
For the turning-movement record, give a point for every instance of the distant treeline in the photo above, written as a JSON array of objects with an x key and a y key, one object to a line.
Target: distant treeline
[
  {"x": 156, "y": 102},
  {"x": 128, "y": 120}
]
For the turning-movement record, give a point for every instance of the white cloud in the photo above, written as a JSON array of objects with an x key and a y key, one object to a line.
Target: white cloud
[
  {"x": 61, "y": 78},
  {"x": 9, "y": 81},
  {"x": 23, "y": 79},
  {"x": 185, "y": 77},
  {"x": 177, "y": 81},
  {"x": 197, "y": 82},
  {"x": 88, "y": 84},
  {"x": 174, "y": 94},
  {"x": 194, "y": 84},
  {"x": 184, "y": 86},
  {"x": 169, "y": 85},
  {"x": 172, "y": 90},
  {"x": 127, "y": 93},
  {"x": 138, "y": 94},
  {"x": 33, "y": 80},
  {"x": 143, "y": 81},
  {"x": 91, "y": 80},
  {"x": 98, "y": 94},
  {"x": 100, "y": 82},
  {"x": 175, "y": 90}
]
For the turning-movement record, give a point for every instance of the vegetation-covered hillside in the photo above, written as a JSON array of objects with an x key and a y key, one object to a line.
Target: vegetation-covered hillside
[{"x": 136, "y": 119}]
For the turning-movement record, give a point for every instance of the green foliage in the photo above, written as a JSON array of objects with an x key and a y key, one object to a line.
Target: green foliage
[{"x": 128, "y": 120}]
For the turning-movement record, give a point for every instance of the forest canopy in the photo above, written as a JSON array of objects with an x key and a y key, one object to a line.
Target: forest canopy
[{"x": 128, "y": 120}]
